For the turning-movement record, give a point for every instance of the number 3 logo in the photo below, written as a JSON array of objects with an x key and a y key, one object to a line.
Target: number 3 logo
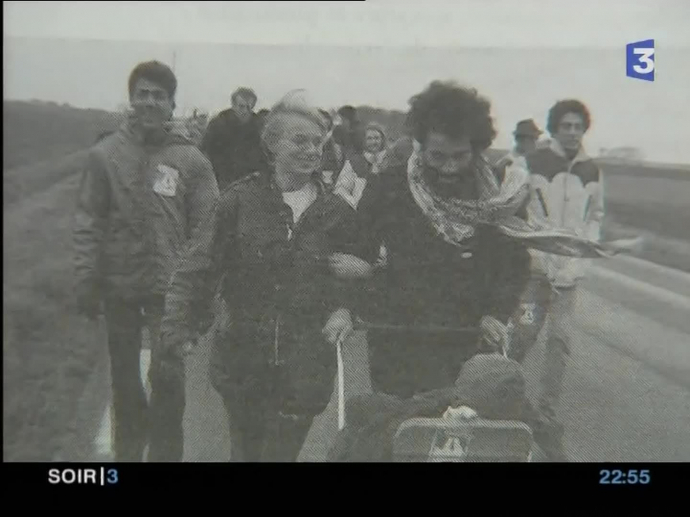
[
  {"x": 640, "y": 60},
  {"x": 645, "y": 58}
]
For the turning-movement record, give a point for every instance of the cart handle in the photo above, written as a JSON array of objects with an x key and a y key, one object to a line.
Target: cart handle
[{"x": 360, "y": 324}]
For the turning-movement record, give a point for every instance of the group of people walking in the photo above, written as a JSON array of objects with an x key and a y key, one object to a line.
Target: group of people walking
[{"x": 279, "y": 230}]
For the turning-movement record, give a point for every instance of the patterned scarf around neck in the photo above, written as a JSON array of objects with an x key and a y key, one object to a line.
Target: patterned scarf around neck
[{"x": 456, "y": 219}]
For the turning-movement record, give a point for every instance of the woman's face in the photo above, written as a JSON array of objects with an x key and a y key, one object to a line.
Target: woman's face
[
  {"x": 300, "y": 147},
  {"x": 374, "y": 141}
]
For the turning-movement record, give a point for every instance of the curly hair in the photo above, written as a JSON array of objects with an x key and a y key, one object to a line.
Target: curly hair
[
  {"x": 561, "y": 108},
  {"x": 453, "y": 110},
  {"x": 157, "y": 73}
]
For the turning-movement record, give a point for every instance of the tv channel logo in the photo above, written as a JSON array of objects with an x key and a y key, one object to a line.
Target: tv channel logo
[{"x": 639, "y": 61}]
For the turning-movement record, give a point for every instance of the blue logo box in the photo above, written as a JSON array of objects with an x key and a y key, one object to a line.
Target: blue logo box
[{"x": 639, "y": 60}]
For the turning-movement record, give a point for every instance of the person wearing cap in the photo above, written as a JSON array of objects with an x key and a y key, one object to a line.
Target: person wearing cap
[
  {"x": 526, "y": 135},
  {"x": 274, "y": 247},
  {"x": 530, "y": 315}
]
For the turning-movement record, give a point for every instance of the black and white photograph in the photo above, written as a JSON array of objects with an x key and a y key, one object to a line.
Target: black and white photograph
[{"x": 359, "y": 231}]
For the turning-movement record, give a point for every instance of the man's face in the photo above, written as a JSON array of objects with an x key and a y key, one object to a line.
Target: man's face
[
  {"x": 525, "y": 144},
  {"x": 570, "y": 131},
  {"x": 446, "y": 160},
  {"x": 243, "y": 107},
  {"x": 151, "y": 104}
]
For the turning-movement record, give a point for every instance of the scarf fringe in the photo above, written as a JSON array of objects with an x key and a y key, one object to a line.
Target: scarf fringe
[{"x": 456, "y": 219}]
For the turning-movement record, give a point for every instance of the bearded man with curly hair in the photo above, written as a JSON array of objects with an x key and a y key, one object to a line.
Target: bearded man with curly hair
[{"x": 455, "y": 264}]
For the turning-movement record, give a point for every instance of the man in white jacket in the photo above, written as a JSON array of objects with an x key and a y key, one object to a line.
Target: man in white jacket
[{"x": 567, "y": 189}]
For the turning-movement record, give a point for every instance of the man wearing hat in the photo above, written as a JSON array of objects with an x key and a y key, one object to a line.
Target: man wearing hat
[
  {"x": 526, "y": 135},
  {"x": 531, "y": 313}
]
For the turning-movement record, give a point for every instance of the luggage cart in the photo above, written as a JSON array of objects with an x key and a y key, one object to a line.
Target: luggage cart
[{"x": 460, "y": 435}]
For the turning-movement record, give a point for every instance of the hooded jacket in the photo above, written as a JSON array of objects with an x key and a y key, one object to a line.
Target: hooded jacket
[
  {"x": 570, "y": 194},
  {"x": 138, "y": 205}
]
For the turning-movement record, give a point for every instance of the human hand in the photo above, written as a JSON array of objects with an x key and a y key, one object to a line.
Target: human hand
[
  {"x": 494, "y": 333},
  {"x": 349, "y": 267},
  {"x": 339, "y": 324}
]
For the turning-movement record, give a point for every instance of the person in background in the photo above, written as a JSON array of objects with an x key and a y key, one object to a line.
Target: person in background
[
  {"x": 196, "y": 126},
  {"x": 352, "y": 179},
  {"x": 232, "y": 141},
  {"x": 276, "y": 244},
  {"x": 397, "y": 154},
  {"x": 375, "y": 146},
  {"x": 526, "y": 135},
  {"x": 333, "y": 159},
  {"x": 567, "y": 192},
  {"x": 530, "y": 316},
  {"x": 348, "y": 133},
  {"x": 349, "y": 150},
  {"x": 145, "y": 192}
]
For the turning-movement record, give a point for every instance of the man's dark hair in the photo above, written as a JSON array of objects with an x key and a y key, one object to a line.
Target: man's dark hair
[
  {"x": 156, "y": 72},
  {"x": 452, "y": 110},
  {"x": 561, "y": 108},
  {"x": 245, "y": 93},
  {"x": 348, "y": 112}
]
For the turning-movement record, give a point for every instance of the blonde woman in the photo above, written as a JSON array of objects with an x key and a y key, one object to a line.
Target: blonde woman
[{"x": 278, "y": 241}]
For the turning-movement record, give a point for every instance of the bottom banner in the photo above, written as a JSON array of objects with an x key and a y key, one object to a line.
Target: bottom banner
[{"x": 143, "y": 476}]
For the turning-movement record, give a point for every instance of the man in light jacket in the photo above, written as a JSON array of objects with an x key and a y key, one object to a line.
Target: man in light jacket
[{"x": 567, "y": 189}]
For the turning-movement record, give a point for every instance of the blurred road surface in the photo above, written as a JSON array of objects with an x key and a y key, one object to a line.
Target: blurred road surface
[{"x": 627, "y": 394}]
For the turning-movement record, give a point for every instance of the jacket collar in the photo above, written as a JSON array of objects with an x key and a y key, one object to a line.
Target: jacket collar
[
  {"x": 557, "y": 148},
  {"x": 172, "y": 133},
  {"x": 315, "y": 179}
]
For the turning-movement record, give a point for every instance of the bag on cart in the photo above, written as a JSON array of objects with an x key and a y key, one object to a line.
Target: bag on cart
[{"x": 385, "y": 428}]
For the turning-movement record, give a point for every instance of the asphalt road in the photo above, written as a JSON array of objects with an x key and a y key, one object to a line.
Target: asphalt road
[{"x": 627, "y": 392}]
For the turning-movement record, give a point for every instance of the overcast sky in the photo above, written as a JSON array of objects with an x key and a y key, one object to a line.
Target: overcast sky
[{"x": 524, "y": 55}]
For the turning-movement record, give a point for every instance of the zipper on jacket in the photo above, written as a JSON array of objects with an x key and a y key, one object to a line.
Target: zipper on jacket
[
  {"x": 542, "y": 201},
  {"x": 276, "y": 343},
  {"x": 144, "y": 207}
]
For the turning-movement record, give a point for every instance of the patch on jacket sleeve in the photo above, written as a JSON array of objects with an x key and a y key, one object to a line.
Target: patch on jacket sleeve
[{"x": 166, "y": 180}]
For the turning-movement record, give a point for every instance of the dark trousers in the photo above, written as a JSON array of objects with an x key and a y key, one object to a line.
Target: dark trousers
[
  {"x": 167, "y": 406},
  {"x": 259, "y": 431},
  {"x": 135, "y": 423},
  {"x": 271, "y": 406}
]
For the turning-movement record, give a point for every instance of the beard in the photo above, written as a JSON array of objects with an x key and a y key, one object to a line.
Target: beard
[{"x": 459, "y": 184}]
